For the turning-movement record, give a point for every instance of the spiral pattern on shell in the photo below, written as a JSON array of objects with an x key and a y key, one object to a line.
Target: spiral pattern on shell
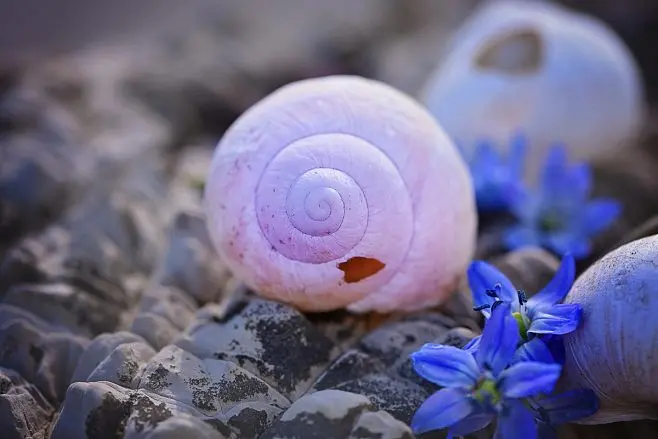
[{"x": 324, "y": 195}]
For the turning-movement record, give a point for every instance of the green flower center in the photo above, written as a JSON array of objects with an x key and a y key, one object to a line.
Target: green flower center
[
  {"x": 523, "y": 329},
  {"x": 486, "y": 392},
  {"x": 550, "y": 222}
]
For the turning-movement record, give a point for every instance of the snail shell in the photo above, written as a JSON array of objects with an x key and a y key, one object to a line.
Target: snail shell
[
  {"x": 539, "y": 67},
  {"x": 614, "y": 351},
  {"x": 342, "y": 192}
]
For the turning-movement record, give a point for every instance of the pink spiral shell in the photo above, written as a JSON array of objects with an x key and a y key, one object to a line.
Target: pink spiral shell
[{"x": 341, "y": 192}]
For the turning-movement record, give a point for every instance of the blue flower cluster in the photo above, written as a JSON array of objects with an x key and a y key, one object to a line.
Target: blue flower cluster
[
  {"x": 558, "y": 214},
  {"x": 509, "y": 372}
]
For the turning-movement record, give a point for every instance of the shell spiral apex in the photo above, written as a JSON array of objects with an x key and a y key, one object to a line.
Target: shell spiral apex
[{"x": 341, "y": 192}]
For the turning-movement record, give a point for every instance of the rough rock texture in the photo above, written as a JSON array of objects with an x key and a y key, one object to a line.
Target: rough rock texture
[
  {"x": 45, "y": 357},
  {"x": 24, "y": 412},
  {"x": 81, "y": 272},
  {"x": 189, "y": 274},
  {"x": 117, "y": 320},
  {"x": 335, "y": 414},
  {"x": 261, "y": 337},
  {"x": 42, "y": 169}
]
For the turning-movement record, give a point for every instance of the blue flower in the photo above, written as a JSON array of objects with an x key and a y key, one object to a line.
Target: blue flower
[
  {"x": 497, "y": 181},
  {"x": 542, "y": 314},
  {"x": 482, "y": 385},
  {"x": 551, "y": 411},
  {"x": 560, "y": 215}
]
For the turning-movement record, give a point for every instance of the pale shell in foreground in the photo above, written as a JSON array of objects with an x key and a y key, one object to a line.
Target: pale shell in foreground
[{"x": 342, "y": 192}]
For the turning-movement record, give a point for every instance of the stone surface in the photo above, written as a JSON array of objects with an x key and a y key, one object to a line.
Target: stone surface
[
  {"x": 24, "y": 412},
  {"x": 106, "y": 411},
  {"x": 190, "y": 263},
  {"x": 98, "y": 350},
  {"x": 99, "y": 251},
  {"x": 261, "y": 337},
  {"x": 335, "y": 414},
  {"x": 45, "y": 358},
  {"x": 42, "y": 168},
  {"x": 123, "y": 365},
  {"x": 218, "y": 389}
]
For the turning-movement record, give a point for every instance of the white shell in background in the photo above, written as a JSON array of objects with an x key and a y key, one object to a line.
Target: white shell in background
[
  {"x": 342, "y": 192},
  {"x": 539, "y": 67},
  {"x": 614, "y": 351}
]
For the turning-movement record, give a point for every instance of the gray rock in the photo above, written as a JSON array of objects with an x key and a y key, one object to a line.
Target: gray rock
[
  {"x": 379, "y": 425},
  {"x": 47, "y": 359},
  {"x": 458, "y": 337},
  {"x": 262, "y": 336},
  {"x": 190, "y": 262},
  {"x": 394, "y": 342},
  {"x": 341, "y": 326},
  {"x": 178, "y": 427},
  {"x": 328, "y": 414},
  {"x": 24, "y": 412},
  {"x": 66, "y": 306},
  {"x": 351, "y": 365},
  {"x": 158, "y": 331},
  {"x": 170, "y": 303},
  {"x": 98, "y": 350},
  {"x": 123, "y": 365},
  {"x": 399, "y": 397},
  {"x": 379, "y": 365},
  {"x": 10, "y": 312},
  {"x": 98, "y": 251},
  {"x": 218, "y": 389},
  {"x": 102, "y": 410},
  {"x": 41, "y": 170}
]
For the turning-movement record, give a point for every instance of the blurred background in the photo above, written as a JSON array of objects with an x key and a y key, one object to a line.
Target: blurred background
[
  {"x": 227, "y": 54},
  {"x": 88, "y": 87}
]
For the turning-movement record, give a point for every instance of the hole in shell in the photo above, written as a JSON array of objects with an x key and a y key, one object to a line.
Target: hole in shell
[
  {"x": 518, "y": 52},
  {"x": 359, "y": 268}
]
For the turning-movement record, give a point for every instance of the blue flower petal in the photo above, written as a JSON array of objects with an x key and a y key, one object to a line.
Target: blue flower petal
[
  {"x": 599, "y": 214},
  {"x": 524, "y": 204},
  {"x": 529, "y": 378},
  {"x": 470, "y": 424},
  {"x": 483, "y": 277},
  {"x": 473, "y": 345},
  {"x": 580, "y": 176},
  {"x": 558, "y": 319},
  {"x": 443, "y": 409},
  {"x": 516, "y": 422},
  {"x": 446, "y": 366},
  {"x": 569, "y": 242},
  {"x": 568, "y": 406},
  {"x": 519, "y": 236},
  {"x": 499, "y": 339},
  {"x": 556, "y": 289},
  {"x": 554, "y": 173},
  {"x": 533, "y": 350},
  {"x": 555, "y": 344},
  {"x": 485, "y": 158}
]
